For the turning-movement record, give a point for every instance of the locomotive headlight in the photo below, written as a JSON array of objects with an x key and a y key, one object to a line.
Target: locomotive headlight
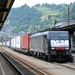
[
  {"x": 52, "y": 48},
  {"x": 67, "y": 48}
]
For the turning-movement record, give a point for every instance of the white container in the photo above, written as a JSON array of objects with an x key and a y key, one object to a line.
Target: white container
[
  {"x": 8, "y": 43},
  {"x": 18, "y": 41},
  {"x": 13, "y": 42}
]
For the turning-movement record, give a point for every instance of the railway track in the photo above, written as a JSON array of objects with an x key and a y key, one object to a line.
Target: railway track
[
  {"x": 32, "y": 68},
  {"x": 13, "y": 65},
  {"x": 67, "y": 65},
  {"x": 45, "y": 67}
]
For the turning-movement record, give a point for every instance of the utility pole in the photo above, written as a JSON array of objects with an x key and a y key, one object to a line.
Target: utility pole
[{"x": 68, "y": 15}]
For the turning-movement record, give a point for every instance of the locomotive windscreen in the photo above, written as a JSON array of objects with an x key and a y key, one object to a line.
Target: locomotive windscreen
[{"x": 59, "y": 36}]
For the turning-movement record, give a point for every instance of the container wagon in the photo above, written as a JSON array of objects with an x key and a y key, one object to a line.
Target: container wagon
[{"x": 25, "y": 42}]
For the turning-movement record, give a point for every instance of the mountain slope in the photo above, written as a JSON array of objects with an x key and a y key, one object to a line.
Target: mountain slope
[{"x": 29, "y": 19}]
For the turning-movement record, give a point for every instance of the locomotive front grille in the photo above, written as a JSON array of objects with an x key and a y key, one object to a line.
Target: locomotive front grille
[{"x": 61, "y": 53}]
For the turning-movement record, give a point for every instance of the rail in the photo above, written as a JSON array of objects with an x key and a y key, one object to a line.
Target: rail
[{"x": 18, "y": 71}]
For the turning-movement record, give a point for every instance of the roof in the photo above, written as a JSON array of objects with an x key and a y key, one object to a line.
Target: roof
[
  {"x": 63, "y": 23},
  {"x": 66, "y": 26},
  {"x": 5, "y": 6},
  {"x": 47, "y": 32}
]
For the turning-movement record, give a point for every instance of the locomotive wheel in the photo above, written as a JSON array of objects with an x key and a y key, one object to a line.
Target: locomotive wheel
[
  {"x": 49, "y": 58},
  {"x": 70, "y": 59},
  {"x": 44, "y": 58}
]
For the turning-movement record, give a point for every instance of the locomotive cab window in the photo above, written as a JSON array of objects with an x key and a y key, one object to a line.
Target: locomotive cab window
[
  {"x": 54, "y": 36},
  {"x": 64, "y": 36},
  {"x": 59, "y": 36}
]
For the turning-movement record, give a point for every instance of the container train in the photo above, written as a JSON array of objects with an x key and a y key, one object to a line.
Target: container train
[{"x": 50, "y": 45}]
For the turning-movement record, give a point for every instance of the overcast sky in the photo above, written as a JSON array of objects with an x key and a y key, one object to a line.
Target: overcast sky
[{"x": 30, "y": 3}]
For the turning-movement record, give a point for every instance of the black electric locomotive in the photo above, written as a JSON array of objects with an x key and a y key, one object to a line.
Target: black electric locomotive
[{"x": 51, "y": 45}]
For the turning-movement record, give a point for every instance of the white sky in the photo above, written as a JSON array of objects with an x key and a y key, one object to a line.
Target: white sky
[{"x": 18, "y": 3}]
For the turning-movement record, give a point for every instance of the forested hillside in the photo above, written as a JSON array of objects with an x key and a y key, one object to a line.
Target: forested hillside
[{"x": 32, "y": 19}]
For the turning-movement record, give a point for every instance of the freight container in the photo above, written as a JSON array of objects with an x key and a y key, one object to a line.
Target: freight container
[
  {"x": 1, "y": 43},
  {"x": 18, "y": 42},
  {"x": 25, "y": 41},
  {"x": 13, "y": 42},
  {"x": 4, "y": 43},
  {"x": 8, "y": 43}
]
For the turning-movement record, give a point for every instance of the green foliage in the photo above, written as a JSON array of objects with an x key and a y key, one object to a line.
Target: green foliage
[{"x": 39, "y": 16}]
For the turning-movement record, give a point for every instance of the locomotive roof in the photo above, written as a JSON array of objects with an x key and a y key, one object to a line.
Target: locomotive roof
[{"x": 46, "y": 32}]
